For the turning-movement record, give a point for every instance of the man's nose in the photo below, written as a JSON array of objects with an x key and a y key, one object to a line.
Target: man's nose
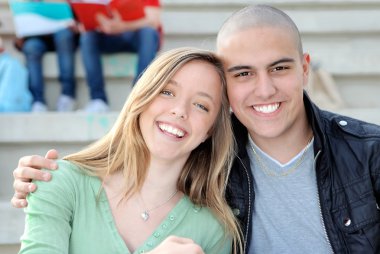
[{"x": 264, "y": 86}]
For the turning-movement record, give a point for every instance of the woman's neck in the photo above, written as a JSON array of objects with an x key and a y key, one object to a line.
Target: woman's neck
[{"x": 160, "y": 180}]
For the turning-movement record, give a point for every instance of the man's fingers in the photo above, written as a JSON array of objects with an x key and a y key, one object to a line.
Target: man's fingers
[
  {"x": 26, "y": 174},
  {"x": 36, "y": 161},
  {"x": 52, "y": 154},
  {"x": 19, "y": 195},
  {"x": 22, "y": 188},
  {"x": 19, "y": 200},
  {"x": 18, "y": 203},
  {"x": 28, "y": 169}
]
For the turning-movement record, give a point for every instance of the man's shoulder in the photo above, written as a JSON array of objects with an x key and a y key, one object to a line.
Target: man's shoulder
[{"x": 349, "y": 125}]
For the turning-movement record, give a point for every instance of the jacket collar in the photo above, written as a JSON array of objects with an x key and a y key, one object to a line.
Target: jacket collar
[{"x": 314, "y": 118}]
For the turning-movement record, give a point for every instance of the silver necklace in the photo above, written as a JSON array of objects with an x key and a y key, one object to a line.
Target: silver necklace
[
  {"x": 145, "y": 215},
  {"x": 270, "y": 172}
]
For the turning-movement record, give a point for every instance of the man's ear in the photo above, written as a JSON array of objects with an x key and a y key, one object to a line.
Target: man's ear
[{"x": 306, "y": 68}]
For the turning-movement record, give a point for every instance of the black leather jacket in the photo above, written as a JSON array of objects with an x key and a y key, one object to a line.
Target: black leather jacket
[{"x": 347, "y": 154}]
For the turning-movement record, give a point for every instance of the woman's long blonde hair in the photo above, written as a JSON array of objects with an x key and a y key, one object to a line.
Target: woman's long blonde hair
[{"x": 204, "y": 176}]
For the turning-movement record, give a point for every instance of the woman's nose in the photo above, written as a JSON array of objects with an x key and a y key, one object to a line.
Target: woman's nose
[{"x": 180, "y": 111}]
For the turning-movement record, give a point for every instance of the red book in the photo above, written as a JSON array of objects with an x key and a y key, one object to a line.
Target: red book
[{"x": 86, "y": 12}]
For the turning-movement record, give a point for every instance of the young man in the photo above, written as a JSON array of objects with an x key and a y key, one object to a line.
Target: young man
[{"x": 304, "y": 179}]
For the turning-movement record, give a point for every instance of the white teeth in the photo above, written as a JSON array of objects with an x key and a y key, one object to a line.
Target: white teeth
[
  {"x": 267, "y": 108},
  {"x": 170, "y": 129}
]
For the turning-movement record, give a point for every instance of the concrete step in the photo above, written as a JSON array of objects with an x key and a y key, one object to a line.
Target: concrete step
[{"x": 117, "y": 89}]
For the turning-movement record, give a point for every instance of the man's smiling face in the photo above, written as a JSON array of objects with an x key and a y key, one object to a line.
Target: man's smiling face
[{"x": 265, "y": 80}]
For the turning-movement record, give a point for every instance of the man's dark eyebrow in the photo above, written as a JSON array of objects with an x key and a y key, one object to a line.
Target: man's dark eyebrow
[
  {"x": 282, "y": 60},
  {"x": 239, "y": 67},
  {"x": 248, "y": 67}
]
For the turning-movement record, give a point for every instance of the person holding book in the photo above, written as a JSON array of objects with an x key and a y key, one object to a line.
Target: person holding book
[
  {"x": 157, "y": 177},
  {"x": 14, "y": 92},
  {"x": 137, "y": 32},
  {"x": 64, "y": 43}
]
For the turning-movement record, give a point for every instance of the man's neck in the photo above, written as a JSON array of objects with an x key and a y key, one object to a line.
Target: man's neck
[{"x": 284, "y": 147}]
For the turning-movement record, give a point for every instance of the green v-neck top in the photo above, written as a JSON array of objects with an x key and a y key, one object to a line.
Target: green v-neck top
[{"x": 70, "y": 215}]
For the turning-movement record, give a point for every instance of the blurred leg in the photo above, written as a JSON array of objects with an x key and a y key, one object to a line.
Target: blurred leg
[
  {"x": 146, "y": 43},
  {"x": 64, "y": 42},
  {"x": 34, "y": 49},
  {"x": 91, "y": 56}
]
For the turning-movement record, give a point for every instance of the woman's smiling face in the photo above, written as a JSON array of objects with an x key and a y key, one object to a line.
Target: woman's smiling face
[{"x": 182, "y": 115}]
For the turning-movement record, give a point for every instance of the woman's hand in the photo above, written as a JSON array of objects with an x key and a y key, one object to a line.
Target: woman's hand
[{"x": 177, "y": 245}]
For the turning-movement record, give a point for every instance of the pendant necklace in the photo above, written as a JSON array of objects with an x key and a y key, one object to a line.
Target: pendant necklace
[{"x": 146, "y": 213}]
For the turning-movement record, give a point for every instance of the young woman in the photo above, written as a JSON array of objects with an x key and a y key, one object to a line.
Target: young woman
[{"x": 160, "y": 173}]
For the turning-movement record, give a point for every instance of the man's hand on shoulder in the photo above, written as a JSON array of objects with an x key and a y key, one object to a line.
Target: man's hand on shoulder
[{"x": 28, "y": 169}]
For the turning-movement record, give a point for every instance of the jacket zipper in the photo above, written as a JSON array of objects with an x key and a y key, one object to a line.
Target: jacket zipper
[
  {"x": 249, "y": 206},
  {"x": 320, "y": 207}
]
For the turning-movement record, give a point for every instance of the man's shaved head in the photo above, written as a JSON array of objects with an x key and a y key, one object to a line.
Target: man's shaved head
[{"x": 255, "y": 16}]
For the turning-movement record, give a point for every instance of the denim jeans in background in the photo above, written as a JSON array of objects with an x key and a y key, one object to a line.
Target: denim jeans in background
[
  {"x": 64, "y": 43},
  {"x": 144, "y": 42}
]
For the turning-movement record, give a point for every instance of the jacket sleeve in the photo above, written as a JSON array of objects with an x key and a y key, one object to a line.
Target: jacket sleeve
[
  {"x": 49, "y": 214},
  {"x": 375, "y": 172}
]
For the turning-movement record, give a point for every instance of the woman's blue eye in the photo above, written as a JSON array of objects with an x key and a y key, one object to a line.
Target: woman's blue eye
[
  {"x": 167, "y": 92},
  {"x": 201, "y": 107}
]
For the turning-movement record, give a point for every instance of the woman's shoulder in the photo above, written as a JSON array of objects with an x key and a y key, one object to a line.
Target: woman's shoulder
[
  {"x": 68, "y": 175},
  {"x": 202, "y": 217},
  {"x": 203, "y": 226},
  {"x": 67, "y": 169}
]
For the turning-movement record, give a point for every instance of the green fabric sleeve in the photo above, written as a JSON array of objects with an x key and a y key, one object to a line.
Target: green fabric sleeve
[{"x": 49, "y": 214}]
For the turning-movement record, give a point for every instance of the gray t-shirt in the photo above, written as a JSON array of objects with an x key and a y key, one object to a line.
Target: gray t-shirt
[{"x": 286, "y": 211}]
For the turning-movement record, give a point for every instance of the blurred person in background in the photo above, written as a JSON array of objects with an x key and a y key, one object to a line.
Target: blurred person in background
[
  {"x": 141, "y": 34},
  {"x": 64, "y": 43},
  {"x": 14, "y": 92}
]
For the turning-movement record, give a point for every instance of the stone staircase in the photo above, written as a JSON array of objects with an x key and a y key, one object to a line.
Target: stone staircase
[{"x": 341, "y": 36}]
